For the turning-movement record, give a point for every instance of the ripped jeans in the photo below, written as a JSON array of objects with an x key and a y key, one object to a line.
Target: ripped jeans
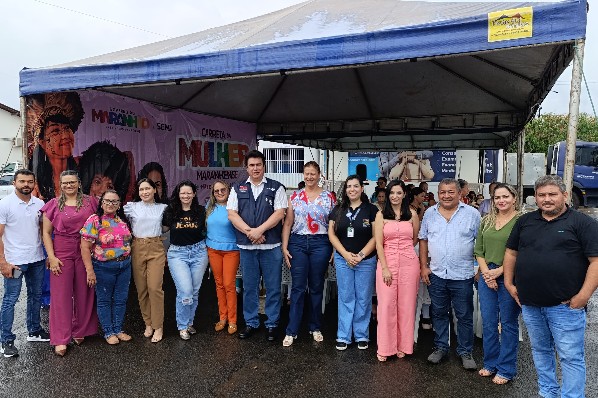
[{"x": 187, "y": 266}]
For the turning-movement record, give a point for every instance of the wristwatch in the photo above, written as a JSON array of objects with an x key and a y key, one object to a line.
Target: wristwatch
[{"x": 361, "y": 254}]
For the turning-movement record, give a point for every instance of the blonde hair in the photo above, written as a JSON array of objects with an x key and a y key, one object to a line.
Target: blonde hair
[
  {"x": 489, "y": 219},
  {"x": 212, "y": 201},
  {"x": 62, "y": 197}
]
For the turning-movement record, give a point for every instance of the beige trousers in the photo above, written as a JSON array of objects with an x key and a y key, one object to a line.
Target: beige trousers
[{"x": 148, "y": 259}]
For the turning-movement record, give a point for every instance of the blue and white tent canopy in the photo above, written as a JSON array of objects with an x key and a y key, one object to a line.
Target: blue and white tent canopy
[{"x": 353, "y": 74}]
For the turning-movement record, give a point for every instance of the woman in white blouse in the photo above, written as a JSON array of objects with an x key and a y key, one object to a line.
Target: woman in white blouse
[{"x": 148, "y": 255}]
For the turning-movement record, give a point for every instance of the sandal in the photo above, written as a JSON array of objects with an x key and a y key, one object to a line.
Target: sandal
[
  {"x": 60, "y": 350},
  {"x": 381, "y": 358},
  {"x": 499, "y": 380},
  {"x": 158, "y": 334},
  {"x": 485, "y": 372},
  {"x": 148, "y": 331},
  {"x": 78, "y": 340},
  {"x": 112, "y": 340},
  {"x": 220, "y": 325},
  {"x": 232, "y": 328},
  {"x": 122, "y": 336},
  {"x": 400, "y": 354}
]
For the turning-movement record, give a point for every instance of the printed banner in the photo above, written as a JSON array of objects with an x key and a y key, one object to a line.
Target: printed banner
[
  {"x": 112, "y": 141},
  {"x": 490, "y": 165},
  {"x": 511, "y": 24},
  {"x": 409, "y": 166}
]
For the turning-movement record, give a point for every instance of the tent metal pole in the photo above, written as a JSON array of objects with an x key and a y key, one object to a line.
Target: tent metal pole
[
  {"x": 574, "y": 97},
  {"x": 23, "y": 106},
  {"x": 520, "y": 164}
]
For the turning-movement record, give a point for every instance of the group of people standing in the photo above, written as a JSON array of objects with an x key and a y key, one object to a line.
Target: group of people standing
[{"x": 93, "y": 247}]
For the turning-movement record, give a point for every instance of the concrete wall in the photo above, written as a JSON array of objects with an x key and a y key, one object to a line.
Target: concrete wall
[{"x": 9, "y": 129}]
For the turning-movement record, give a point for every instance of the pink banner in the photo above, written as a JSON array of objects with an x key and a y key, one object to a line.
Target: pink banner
[{"x": 110, "y": 135}]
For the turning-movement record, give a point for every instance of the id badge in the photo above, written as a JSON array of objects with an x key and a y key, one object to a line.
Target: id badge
[{"x": 350, "y": 232}]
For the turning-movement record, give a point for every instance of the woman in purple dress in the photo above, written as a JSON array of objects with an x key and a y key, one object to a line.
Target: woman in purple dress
[{"x": 72, "y": 313}]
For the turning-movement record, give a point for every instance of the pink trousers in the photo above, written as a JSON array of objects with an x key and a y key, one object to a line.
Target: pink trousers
[
  {"x": 396, "y": 305},
  {"x": 72, "y": 306}
]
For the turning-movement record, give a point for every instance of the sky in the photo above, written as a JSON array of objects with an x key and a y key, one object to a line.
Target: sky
[{"x": 37, "y": 33}]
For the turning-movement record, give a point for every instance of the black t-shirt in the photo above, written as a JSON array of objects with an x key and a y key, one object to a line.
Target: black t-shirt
[
  {"x": 552, "y": 256},
  {"x": 187, "y": 229},
  {"x": 362, "y": 221}
]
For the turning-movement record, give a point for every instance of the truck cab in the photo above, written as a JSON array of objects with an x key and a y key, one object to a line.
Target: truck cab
[{"x": 585, "y": 173}]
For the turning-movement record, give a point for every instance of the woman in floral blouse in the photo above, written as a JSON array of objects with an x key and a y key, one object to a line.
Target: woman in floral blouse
[{"x": 106, "y": 249}]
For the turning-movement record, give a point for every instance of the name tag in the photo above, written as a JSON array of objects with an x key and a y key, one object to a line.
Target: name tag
[{"x": 350, "y": 232}]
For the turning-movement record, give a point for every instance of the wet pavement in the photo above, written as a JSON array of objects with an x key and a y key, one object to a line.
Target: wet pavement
[{"x": 215, "y": 364}]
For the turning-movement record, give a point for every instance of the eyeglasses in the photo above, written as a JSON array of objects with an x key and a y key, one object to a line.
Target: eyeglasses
[
  {"x": 114, "y": 202},
  {"x": 69, "y": 183},
  {"x": 221, "y": 190}
]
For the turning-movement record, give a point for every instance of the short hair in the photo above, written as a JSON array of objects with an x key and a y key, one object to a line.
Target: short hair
[
  {"x": 550, "y": 180},
  {"x": 422, "y": 184},
  {"x": 382, "y": 178},
  {"x": 450, "y": 181},
  {"x": 24, "y": 172},
  {"x": 255, "y": 154}
]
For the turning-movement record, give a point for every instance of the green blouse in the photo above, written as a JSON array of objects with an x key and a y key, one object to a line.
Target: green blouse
[{"x": 490, "y": 243}]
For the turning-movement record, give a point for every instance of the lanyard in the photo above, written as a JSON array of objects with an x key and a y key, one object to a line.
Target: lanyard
[{"x": 352, "y": 216}]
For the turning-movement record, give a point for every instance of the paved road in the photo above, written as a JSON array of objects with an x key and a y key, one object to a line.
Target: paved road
[{"x": 218, "y": 365}]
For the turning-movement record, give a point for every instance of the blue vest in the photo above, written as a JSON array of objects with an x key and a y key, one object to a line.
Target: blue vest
[{"x": 256, "y": 211}]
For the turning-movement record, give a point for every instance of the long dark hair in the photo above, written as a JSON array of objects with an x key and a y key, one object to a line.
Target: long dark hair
[
  {"x": 388, "y": 213},
  {"x": 175, "y": 207},
  {"x": 107, "y": 160},
  {"x": 154, "y": 166},
  {"x": 137, "y": 198},
  {"x": 120, "y": 212},
  {"x": 344, "y": 203}
]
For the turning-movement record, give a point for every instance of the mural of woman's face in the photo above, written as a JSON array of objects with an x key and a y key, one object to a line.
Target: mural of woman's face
[
  {"x": 155, "y": 176},
  {"x": 100, "y": 184},
  {"x": 58, "y": 141}
]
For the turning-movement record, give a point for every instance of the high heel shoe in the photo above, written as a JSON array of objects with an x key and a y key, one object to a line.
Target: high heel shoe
[
  {"x": 78, "y": 340},
  {"x": 60, "y": 350},
  {"x": 158, "y": 334}
]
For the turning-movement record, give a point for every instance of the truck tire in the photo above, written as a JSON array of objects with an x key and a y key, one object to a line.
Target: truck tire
[{"x": 576, "y": 199}]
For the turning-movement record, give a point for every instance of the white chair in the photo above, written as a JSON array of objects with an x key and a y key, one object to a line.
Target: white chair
[
  {"x": 287, "y": 279},
  {"x": 331, "y": 277}
]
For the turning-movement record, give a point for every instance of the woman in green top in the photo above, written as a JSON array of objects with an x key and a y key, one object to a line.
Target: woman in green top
[{"x": 496, "y": 304}]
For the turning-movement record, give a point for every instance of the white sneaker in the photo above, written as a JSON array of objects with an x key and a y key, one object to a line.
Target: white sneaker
[
  {"x": 184, "y": 334},
  {"x": 317, "y": 335},
  {"x": 288, "y": 341}
]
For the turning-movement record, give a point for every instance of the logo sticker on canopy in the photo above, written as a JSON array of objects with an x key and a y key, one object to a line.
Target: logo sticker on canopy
[{"x": 511, "y": 24}]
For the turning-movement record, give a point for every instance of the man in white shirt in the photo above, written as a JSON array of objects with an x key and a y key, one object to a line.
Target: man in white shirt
[
  {"x": 256, "y": 208},
  {"x": 21, "y": 256}
]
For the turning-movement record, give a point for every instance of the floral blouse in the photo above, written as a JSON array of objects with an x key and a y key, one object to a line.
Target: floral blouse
[
  {"x": 311, "y": 217},
  {"x": 110, "y": 236}
]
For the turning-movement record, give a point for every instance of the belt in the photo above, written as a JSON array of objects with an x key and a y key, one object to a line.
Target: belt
[{"x": 120, "y": 258}]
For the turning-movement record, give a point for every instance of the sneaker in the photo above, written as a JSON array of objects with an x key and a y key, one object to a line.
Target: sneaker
[
  {"x": 341, "y": 346},
  {"x": 437, "y": 356},
  {"x": 468, "y": 362},
  {"x": 9, "y": 349},
  {"x": 41, "y": 335},
  {"x": 317, "y": 335},
  {"x": 288, "y": 341},
  {"x": 184, "y": 334},
  {"x": 191, "y": 329},
  {"x": 426, "y": 324},
  {"x": 362, "y": 345}
]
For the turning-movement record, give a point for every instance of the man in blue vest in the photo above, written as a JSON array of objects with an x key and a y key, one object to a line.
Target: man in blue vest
[{"x": 256, "y": 208}]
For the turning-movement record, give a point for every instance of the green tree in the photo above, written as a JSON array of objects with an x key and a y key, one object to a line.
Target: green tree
[{"x": 550, "y": 128}]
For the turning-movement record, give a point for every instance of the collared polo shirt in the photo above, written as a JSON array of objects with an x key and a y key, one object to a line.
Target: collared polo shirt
[
  {"x": 552, "y": 256},
  {"x": 22, "y": 238},
  {"x": 450, "y": 243}
]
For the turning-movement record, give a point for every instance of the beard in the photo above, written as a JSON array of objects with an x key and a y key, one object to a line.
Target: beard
[
  {"x": 555, "y": 212},
  {"x": 24, "y": 190}
]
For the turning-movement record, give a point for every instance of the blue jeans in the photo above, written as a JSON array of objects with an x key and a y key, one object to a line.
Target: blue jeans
[
  {"x": 34, "y": 276},
  {"x": 268, "y": 263},
  {"x": 187, "y": 266},
  {"x": 311, "y": 254},
  {"x": 500, "y": 350},
  {"x": 563, "y": 328},
  {"x": 459, "y": 293},
  {"x": 355, "y": 288},
  {"x": 112, "y": 291}
]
